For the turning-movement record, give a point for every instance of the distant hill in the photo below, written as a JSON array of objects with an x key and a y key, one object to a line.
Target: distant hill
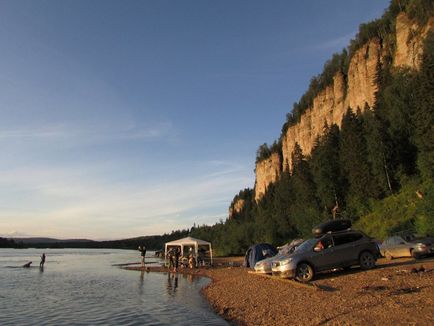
[
  {"x": 37, "y": 240},
  {"x": 153, "y": 242}
]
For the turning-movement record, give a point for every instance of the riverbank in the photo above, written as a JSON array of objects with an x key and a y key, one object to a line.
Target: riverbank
[{"x": 393, "y": 293}]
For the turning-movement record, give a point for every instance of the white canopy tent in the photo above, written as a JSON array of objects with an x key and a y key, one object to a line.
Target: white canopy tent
[{"x": 189, "y": 242}]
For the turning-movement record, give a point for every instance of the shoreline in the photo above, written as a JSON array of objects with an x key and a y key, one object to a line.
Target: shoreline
[{"x": 392, "y": 293}]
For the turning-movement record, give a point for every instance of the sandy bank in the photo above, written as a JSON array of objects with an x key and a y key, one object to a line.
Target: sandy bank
[{"x": 391, "y": 294}]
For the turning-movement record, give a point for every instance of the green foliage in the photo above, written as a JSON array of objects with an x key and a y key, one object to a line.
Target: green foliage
[
  {"x": 404, "y": 211},
  {"x": 264, "y": 151},
  {"x": 326, "y": 170},
  {"x": 423, "y": 114},
  {"x": 354, "y": 164},
  {"x": 245, "y": 213},
  {"x": 378, "y": 149},
  {"x": 420, "y": 10},
  {"x": 10, "y": 243}
]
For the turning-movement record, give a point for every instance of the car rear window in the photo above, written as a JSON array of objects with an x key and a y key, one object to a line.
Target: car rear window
[{"x": 346, "y": 238}]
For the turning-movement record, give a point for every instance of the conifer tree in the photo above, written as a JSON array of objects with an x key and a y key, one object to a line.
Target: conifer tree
[
  {"x": 326, "y": 170},
  {"x": 354, "y": 165},
  {"x": 378, "y": 153},
  {"x": 423, "y": 116},
  {"x": 304, "y": 210}
]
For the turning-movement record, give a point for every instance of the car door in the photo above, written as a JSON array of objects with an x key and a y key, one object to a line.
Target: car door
[
  {"x": 398, "y": 247},
  {"x": 346, "y": 248},
  {"x": 324, "y": 259},
  {"x": 403, "y": 248}
]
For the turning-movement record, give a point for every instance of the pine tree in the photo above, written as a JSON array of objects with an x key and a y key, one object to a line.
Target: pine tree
[
  {"x": 378, "y": 153},
  {"x": 304, "y": 210},
  {"x": 326, "y": 170},
  {"x": 355, "y": 166},
  {"x": 423, "y": 116}
]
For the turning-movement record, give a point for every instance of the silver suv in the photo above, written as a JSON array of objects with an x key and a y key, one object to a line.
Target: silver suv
[{"x": 332, "y": 250}]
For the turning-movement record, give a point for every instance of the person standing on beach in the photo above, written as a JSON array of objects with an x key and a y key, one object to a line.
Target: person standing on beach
[
  {"x": 41, "y": 264},
  {"x": 142, "y": 250}
]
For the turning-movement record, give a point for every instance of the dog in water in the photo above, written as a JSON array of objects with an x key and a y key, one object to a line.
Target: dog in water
[{"x": 27, "y": 265}]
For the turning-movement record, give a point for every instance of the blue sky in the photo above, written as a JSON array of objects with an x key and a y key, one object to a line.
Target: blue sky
[{"x": 129, "y": 118}]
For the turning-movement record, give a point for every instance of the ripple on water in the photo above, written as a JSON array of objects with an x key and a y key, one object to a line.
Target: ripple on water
[{"x": 80, "y": 288}]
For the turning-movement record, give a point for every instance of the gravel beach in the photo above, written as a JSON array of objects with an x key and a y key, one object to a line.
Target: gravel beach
[{"x": 397, "y": 292}]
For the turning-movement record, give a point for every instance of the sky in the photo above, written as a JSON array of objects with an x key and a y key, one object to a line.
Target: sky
[{"x": 129, "y": 118}]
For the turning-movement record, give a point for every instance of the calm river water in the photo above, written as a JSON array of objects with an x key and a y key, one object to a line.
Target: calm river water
[{"x": 81, "y": 287}]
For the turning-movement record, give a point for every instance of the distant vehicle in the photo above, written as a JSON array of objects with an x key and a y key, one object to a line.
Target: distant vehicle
[
  {"x": 264, "y": 266},
  {"x": 341, "y": 249},
  {"x": 406, "y": 246},
  {"x": 258, "y": 252}
]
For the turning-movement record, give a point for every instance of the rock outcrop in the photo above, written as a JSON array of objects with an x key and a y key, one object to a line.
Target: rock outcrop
[
  {"x": 267, "y": 171},
  {"x": 356, "y": 91},
  {"x": 409, "y": 41},
  {"x": 236, "y": 207},
  {"x": 330, "y": 105}
]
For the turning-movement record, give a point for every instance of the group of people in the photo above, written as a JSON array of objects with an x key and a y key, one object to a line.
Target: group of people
[
  {"x": 175, "y": 259},
  {"x": 173, "y": 255},
  {"x": 189, "y": 259}
]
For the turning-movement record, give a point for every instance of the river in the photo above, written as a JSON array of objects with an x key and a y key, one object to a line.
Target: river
[{"x": 82, "y": 287}]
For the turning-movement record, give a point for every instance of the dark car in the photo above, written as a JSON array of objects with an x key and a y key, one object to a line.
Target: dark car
[{"x": 332, "y": 250}]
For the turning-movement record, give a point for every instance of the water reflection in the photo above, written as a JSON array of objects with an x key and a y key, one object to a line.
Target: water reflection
[
  {"x": 172, "y": 283},
  {"x": 141, "y": 282}
]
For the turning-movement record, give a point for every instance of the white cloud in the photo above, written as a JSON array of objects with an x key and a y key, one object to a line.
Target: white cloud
[{"x": 70, "y": 203}]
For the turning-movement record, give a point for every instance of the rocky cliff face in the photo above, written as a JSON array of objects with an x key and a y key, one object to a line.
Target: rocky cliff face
[
  {"x": 330, "y": 105},
  {"x": 409, "y": 41},
  {"x": 267, "y": 171},
  {"x": 236, "y": 208},
  {"x": 357, "y": 92}
]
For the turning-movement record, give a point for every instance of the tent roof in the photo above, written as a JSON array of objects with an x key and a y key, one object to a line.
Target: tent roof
[{"x": 187, "y": 241}]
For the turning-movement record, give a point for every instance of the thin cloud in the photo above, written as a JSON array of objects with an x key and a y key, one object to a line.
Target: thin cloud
[
  {"x": 68, "y": 204},
  {"x": 158, "y": 130}
]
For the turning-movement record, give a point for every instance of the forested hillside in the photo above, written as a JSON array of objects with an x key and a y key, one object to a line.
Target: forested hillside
[{"x": 375, "y": 169}]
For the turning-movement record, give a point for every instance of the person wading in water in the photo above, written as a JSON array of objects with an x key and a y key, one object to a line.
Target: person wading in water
[
  {"x": 142, "y": 250},
  {"x": 41, "y": 264}
]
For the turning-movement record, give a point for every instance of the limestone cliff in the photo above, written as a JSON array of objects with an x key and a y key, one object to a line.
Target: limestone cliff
[
  {"x": 409, "y": 41},
  {"x": 267, "y": 171},
  {"x": 236, "y": 207},
  {"x": 357, "y": 90},
  {"x": 330, "y": 105}
]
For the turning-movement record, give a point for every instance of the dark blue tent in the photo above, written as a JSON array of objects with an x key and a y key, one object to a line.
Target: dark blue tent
[{"x": 258, "y": 252}]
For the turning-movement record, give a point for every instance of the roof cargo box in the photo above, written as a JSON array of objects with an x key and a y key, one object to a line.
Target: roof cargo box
[{"x": 331, "y": 226}]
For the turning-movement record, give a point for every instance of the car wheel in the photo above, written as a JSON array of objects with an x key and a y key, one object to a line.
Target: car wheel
[
  {"x": 388, "y": 255},
  {"x": 414, "y": 255},
  {"x": 366, "y": 260},
  {"x": 304, "y": 273}
]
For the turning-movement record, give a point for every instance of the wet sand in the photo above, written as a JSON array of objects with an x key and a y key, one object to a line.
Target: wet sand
[{"x": 391, "y": 294}]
